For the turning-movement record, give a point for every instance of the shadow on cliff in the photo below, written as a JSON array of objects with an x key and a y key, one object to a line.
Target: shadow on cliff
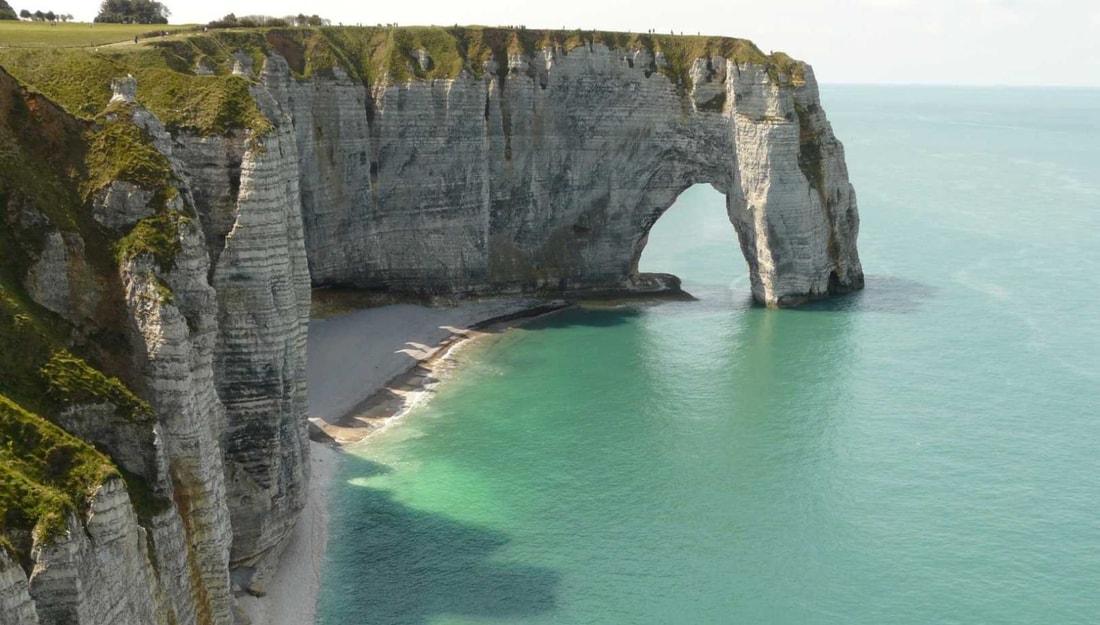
[
  {"x": 391, "y": 564},
  {"x": 880, "y": 294}
]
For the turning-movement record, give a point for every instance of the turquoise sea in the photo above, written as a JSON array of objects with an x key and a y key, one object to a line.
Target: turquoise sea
[{"x": 925, "y": 451}]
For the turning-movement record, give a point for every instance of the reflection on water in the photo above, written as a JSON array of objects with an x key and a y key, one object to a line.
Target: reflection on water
[{"x": 881, "y": 294}]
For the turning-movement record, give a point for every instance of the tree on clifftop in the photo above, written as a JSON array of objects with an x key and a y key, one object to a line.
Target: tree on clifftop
[
  {"x": 132, "y": 12},
  {"x": 6, "y": 12}
]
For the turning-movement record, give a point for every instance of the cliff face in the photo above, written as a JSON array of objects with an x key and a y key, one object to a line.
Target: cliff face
[
  {"x": 210, "y": 331},
  {"x": 547, "y": 176},
  {"x": 262, "y": 280},
  {"x": 188, "y": 241}
]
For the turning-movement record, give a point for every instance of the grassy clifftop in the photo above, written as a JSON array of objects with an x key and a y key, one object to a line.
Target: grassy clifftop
[
  {"x": 80, "y": 81},
  {"x": 373, "y": 54},
  {"x": 218, "y": 101},
  {"x": 47, "y": 35}
]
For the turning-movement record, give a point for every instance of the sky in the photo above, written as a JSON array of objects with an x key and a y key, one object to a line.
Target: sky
[{"x": 963, "y": 42}]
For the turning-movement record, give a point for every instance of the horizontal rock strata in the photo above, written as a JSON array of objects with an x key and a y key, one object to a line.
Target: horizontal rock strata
[{"x": 548, "y": 176}]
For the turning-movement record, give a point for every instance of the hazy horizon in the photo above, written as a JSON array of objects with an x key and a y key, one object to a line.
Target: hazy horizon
[{"x": 896, "y": 42}]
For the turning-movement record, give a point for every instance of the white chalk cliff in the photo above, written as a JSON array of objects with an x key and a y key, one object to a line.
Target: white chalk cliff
[
  {"x": 537, "y": 172},
  {"x": 548, "y": 176}
]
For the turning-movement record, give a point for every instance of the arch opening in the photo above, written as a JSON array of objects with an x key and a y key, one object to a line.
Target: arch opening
[{"x": 694, "y": 242}]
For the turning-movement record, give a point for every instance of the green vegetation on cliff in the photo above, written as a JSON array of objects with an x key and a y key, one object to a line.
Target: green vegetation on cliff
[
  {"x": 119, "y": 150},
  {"x": 38, "y": 369},
  {"x": 80, "y": 81},
  {"x": 376, "y": 54},
  {"x": 51, "y": 166},
  {"x": 157, "y": 236},
  {"x": 45, "y": 473},
  {"x": 73, "y": 381}
]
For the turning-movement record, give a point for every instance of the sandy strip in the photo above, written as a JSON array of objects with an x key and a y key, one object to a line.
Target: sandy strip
[
  {"x": 365, "y": 368},
  {"x": 370, "y": 366},
  {"x": 293, "y": 588}
]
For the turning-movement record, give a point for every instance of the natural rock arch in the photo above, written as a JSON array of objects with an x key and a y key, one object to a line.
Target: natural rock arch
[{"x": 548, "y": 179}]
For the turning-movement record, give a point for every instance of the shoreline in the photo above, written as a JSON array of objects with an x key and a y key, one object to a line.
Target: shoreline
[
  {"x": 406, "y": 390},
  {"x": 385, "y": 385}
]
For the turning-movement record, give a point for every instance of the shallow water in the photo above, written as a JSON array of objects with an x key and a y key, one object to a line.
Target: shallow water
[{"x": 926, "y": 451}]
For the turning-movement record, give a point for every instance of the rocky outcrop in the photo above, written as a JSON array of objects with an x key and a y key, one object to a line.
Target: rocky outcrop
[
  {"x": 245, "y": 191},
  {"x": 15, "y": 599},
  {"x": 174, "y": 338},
  {"x": 239, "y": 308},
  {"x": 262, "y": 281},
  {"x": 100, "y": 572},
  {"x": 61, "y": 281},
  {"x": 796, "y": 216}
]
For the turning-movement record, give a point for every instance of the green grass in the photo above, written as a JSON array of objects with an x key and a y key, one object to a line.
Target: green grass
[
  {"x": 157, "y": 236},
  {"x": 73, "y": 381},
  {"x": 80, "y": 81},
  {"x": 119, "y": 150},
  {"x": 42, "y": 35},
  {"x": 45, "y": 473},
  {"x": 40, "y": 372}
]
